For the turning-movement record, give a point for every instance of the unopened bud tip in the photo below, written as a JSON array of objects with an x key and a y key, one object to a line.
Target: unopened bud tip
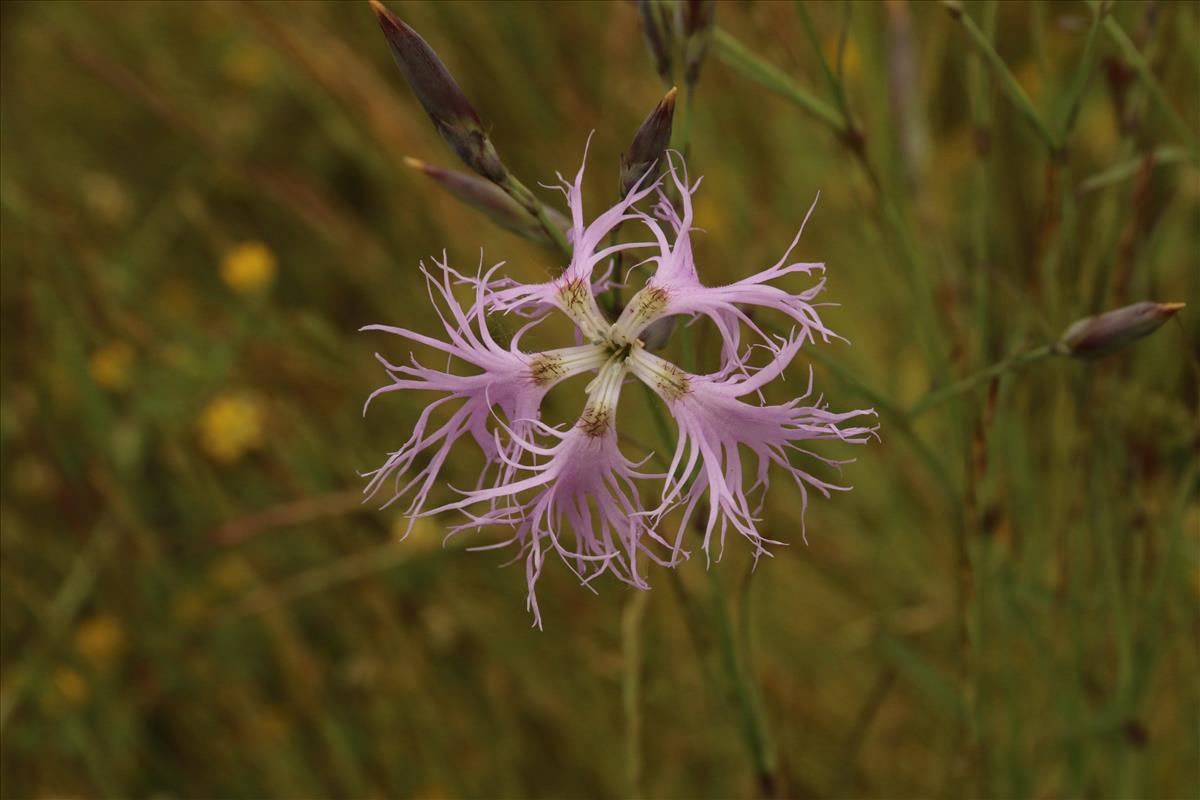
[{"x": 387, "y": 20}]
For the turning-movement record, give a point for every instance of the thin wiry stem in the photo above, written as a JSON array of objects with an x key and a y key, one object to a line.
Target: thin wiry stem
[
  {"x": 754, "y": 726},
  {"x": 891, "y": 219},
  {"x": 1142, "y": 67},
  {"x": 834, "y": 81},
  {"x": 631, "y": 683},
  {"x": 754, "y": 723},
  {"x": 1087, "y": 62},
  {"x": 1008, "y": 81},
  {"x": 735, "y": 54},
  {"x": 944, "y": 393}
]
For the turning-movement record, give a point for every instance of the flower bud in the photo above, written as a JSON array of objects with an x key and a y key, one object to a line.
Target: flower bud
[
  {"x": 696, "y": 19},
  {"x": 657, "y": 32},
  {"x": 649, "y": 143},
  {"x": 441, "y": 97},
  {"x": 1101, "y": 334},
  {"x": 493, "y": 201}
]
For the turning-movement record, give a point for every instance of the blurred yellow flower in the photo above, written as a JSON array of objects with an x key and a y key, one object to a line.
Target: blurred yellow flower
[
  {"x": 110, "y": 366},
  {"x": 70, "y": 685},
  {"x": 247, "y": 63},
  {"x": 248, "y": 268},
  {"x": 100, "y": 640},
  {"x": 230, "y": 573},
  {"x": 231, "y": 425}
]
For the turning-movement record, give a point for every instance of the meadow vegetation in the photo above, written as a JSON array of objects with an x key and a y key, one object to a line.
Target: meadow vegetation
[{"x": 203, "y": 202}]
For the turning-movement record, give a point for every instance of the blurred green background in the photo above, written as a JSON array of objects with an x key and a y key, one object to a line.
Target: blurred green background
[{"x": 201, "y": 204}]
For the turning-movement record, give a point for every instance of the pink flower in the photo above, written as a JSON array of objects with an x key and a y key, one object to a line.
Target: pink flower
[{"x": 572, "y": 492}]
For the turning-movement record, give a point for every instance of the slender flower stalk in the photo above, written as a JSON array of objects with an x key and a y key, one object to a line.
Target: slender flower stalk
[
  {"x": 656, "y": 28},
  {"x": 696, "y": 18},
  {"x": 1087, "y": 338},
  {"x": 570, "y": 491}
]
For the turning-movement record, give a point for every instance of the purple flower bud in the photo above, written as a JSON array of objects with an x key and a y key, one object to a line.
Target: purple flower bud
[
  {"x": 649, "y": 144},
  {"x": 1101, "y": 334},
  {"x": 657, "y": 33},
  {"x": 696, "y": 19},
  {"x": 443, "y": 100},
  {"x": 493, "y": 201}
]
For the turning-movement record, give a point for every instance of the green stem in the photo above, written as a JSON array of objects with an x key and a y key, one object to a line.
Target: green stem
[
  {"x": 754, "y": 726},
  {"x": 754, "y": 723},
  {"x": 891, "y": 219},
  {"x": 1142, "y": 67},
  {"x": 614, "y": 263},
  {"x": 631, "y": 646},
  {"x": 981, "y": 117},
  {"x": 1123, "y": 171},
  {"x": 684, "y": 140},
  {"x": 735, "y": 54},
  {"x": 938, "y": 396},
  {"x": 68, "y": 602},
  {"x": 1007, "y": 80},
  {"x": 835, "y": 85},
  {"x": 1087, "y": 61}
]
